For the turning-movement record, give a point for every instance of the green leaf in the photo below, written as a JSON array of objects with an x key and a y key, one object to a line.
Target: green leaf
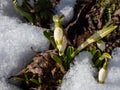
[
  {"x": 69, "y": 52},
  {"x": 61, "y": 18},
  {"x": 39, "y": 80},
  {"x": 60, "y": 81},
  {"x": 93, "y": 51},
  {"x": 58, "y": 60},
  {"x": 96, "y": 56},
  {"x": 23, "y": 11},
  {"x": 35, "y": 81},
  {"x": 67, "y": 57},
  {"x": 49, "y": 35},
  {"x": 20, "y": 79},
  {"x": 26, "y": 79},
  {"x": 95, "y": 37},
  {"x": 52, "y": 41}
]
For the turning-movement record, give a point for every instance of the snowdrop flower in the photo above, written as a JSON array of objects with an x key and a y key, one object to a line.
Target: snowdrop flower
[
  {"x": 59, "y": 37},
  {"x": 64, "y": 44},
  {"x": 103, "y": 73}
]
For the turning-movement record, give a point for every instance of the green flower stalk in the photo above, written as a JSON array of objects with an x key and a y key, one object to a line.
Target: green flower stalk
[
  {"x": 104, "y": 56},
  {"x": 103, "y": 73},
  {"x": 59, "y": 37}
]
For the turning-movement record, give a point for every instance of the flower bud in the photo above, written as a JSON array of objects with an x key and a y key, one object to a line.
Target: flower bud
[
  {"x": 60, "y": 40},
  {"x": 102, "y": 73},
  {"x": 63, "y": 47},
  {"x": 59, "y": 37}
]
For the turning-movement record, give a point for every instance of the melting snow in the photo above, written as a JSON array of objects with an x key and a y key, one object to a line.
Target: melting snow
[{"x": 81, "y": 74}]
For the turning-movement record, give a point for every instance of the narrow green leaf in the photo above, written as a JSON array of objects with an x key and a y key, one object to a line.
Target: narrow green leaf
[
  {"x": 46, "y": 34},
  {"x": 39, "y": 80},
  {"x": 93, "y": 51},
  {"x": 35, "y": 81},
  {"x": 26, "y": 79},
  {"x": 69, "y": 51},
  {"x": 61, "y": 18},
  {"x": 23, "y": 11},
  {"x": 95, "y": 37},
  {"x": 49, "y": 35},
  {"x": 96, "y": 55},
  {"x": 19, "y": 79},
  {"x": 57, "y": 59},
  {"x": 52, "y": 41}
]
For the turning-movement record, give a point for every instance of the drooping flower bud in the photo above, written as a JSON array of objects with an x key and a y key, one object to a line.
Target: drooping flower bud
[
  {"x": 103, "y": 73},
  {"x": 59, "y": 37}
]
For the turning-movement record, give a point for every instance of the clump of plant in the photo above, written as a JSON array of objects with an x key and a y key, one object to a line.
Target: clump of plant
[
  {"x": 100, "y": 61},
  {"x": 36, "y": 12},
  {"x": 108, "y": 7},
  {"x": 102, "y": 13},
  {"x": 29, "y": 80},
  {"x": 70, "y": 52}
]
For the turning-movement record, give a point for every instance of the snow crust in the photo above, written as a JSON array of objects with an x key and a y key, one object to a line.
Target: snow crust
[{"x": 81, "y": 74}]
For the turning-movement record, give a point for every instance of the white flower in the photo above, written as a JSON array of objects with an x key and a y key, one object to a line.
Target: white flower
[
  {"x": 102, "y": 73},
  {"x": 58, "y": 35},
  {"x": 60, "y": 40},
  {"x": 63, "y": 47}
]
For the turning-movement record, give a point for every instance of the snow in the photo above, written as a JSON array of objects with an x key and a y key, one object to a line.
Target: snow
[
  {"x": 17, "y": 38},
  {"x": 81, "y": 74},
  {"x": 16, "y": 42},
  {"x": 5, "y": 86},
  {"x": 66, "y": 7},
  {"x": 7, "y": 9}
]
